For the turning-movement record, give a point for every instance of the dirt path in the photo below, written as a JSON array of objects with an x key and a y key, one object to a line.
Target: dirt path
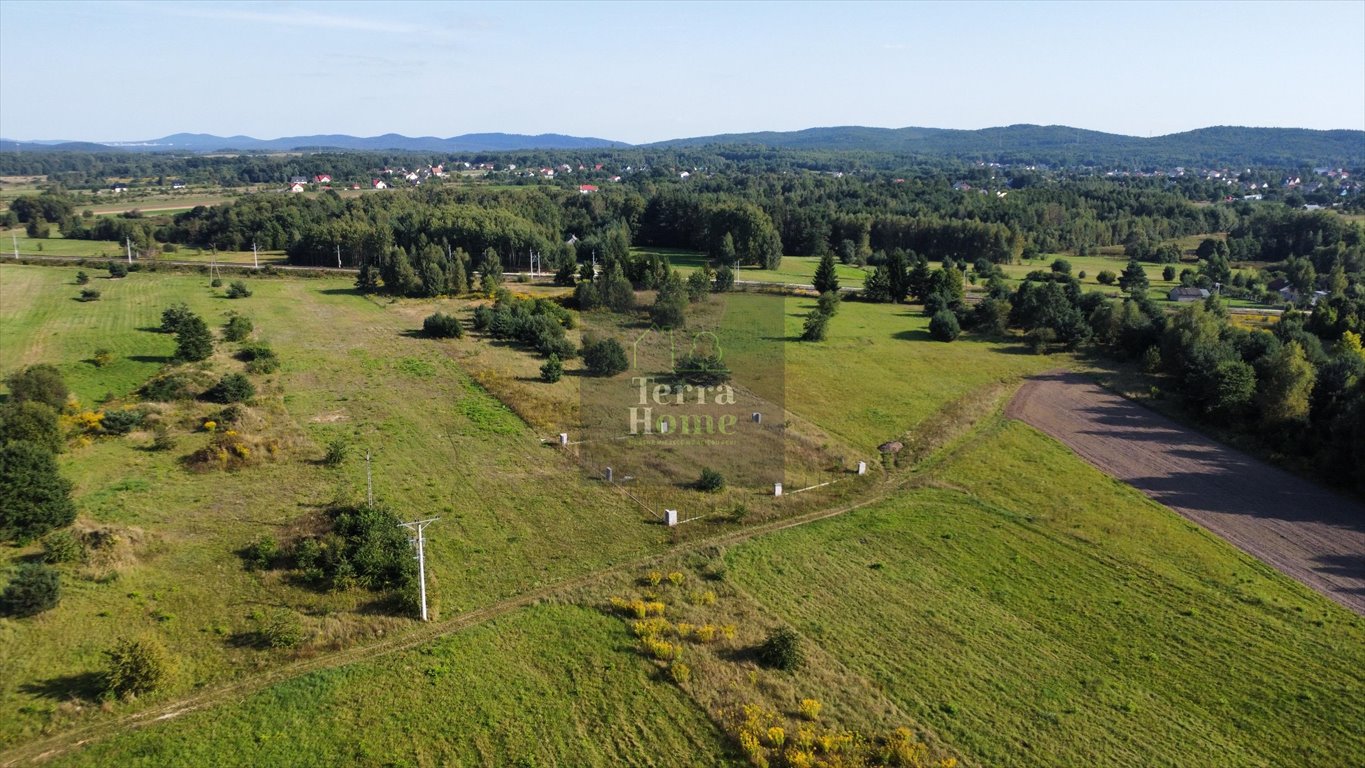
[{"x": 1310, "y": 533}]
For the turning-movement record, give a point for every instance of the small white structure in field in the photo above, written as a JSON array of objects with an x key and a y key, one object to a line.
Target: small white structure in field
[
  {"x": 758, "y": 418},
  {"x": 608, "y": 474},
  {"x": 862, "y": 467},
  {"x": 563, "y": 438},
  {"x": 777, "y": 489},
  {"x": 671, "y": 517}
]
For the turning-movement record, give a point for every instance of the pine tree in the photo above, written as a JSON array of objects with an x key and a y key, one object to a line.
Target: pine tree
[
  {"x": 826, "y": 279},
  {"x": 34, "y": 498},
  {"x": 1134, "y": 278},
  {"x": 193, "y": 342}
]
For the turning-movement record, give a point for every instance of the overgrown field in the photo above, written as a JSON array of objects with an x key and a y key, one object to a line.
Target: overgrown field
[{"x": 1005, "y": 604}]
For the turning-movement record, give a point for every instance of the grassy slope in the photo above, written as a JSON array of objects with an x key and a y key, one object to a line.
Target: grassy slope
[
  {"x": 1044, "y": 614},
  {"x": 514, "y": 514},
  {"x": 544, "y": 686},
  {"x": 878, "y": 374}
]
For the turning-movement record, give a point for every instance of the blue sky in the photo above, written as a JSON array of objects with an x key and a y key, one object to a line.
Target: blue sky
[{"x": 652, "y": 71}]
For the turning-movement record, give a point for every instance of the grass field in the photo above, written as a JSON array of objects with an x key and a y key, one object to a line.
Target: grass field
[
  {"x": 545, "y": 686},
  {"x": 515, "y": 514},
  {"x": 1044, "y": 614},
  {"x": 1011, "y": 601}
]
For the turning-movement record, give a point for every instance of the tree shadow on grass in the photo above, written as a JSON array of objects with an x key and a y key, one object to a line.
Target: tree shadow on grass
[
  {"x": 82, "y": 685},
  {"x": 913, "y": 334},
  {"x": 341, "y": 292},
  {"x": 158, "y": 359}
]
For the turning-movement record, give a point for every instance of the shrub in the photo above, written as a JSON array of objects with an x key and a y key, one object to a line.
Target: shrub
[
  {"x": 605, "y": 357},
  {"x": 1107, "y": 277},
  {"x": 237, "y": 290},
  {"x": 815, "y": 327},
  {"x": 1081, "y": 274},
  {"x": 90, "y": 294},
  {"x": 232, "y": 388},
  {"x": 34, "y": 589},
  {"x": 710, "y": 480},
  {"x": 943, "y": 326},
  {"x": 442, "y": 326},
  {"x": 118, "y": 269},
  {"x": 164, "y": 389},
  {"x": 237, "y": 328},
  {"x": 82, "y": 278},
  {"x": 281, "y": 629},
  {"x": 102, "y": 357},
  {"x": 42, "y": 383},
  {"x": 34, "y": 498},
  {"x": 810, "y": 709},
  {"x": 260, "y": 555},
  {"x": 31, "y": 422},
  {"x": 216, "y": 283},
  {"x": 1151, "y": 359},
  {"x": 136, "y": 666},
  {"x": 1168, "y": 273},
  {"x": 552, "y": 370},
  {"x": 336, "y": 453},
  {"x": 782, "y": 650},
  {"x": 701, "y": 368},
  {"x": 162, "y": 440},
  {"x": 725, "y": 279},
  {"x": 173, "y": 316},
  {"x": 1038, "y": 339},
  {"x": 121, "y": 422},
  {"x": 679, "y": 672},
  {"x": 63, "y": 547}
]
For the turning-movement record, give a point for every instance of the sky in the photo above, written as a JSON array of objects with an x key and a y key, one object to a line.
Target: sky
[{"x": 641, "y": 72}]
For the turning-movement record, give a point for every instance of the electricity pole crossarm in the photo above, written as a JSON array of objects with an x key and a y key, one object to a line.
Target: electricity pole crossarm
[{"x": 419, "y": 542}]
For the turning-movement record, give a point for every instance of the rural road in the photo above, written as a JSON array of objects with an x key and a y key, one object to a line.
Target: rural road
[{"x": 1307, "y": 532}]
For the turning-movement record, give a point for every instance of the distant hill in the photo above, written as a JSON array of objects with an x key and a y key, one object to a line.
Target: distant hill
[
  {"x": 1044, "y": 144},
  {"x": 203, "y": 142},
  {"x": 1059, "y": 144}
]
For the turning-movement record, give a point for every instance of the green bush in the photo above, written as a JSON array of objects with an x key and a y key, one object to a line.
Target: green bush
[
  {"x": 943, "y": 326},
  {"x": 552, "y": 370},
  {"x": 173, "y": 316},
  {"x": 261, "y": 554},
  {"x": 216, "y": 283},
  {"x": 701, "y": 368},
  {"x": 167, "y": 388},
  {"x": 442, "y": 326},
  {"x": 118, "y": 269},
  {"x": 782, "y": 650},
  {"x": 136, "y": 666},
  {"x": 336, "y": 453},
  {"x": 63, "y": 547},
  {"x": 281, "y": 629},
  {"x": 605, "y": 357},
  {"x": 1107, "y": 277},
  {"x": 34, "y": 589},
  {"x": 260, "y": 358},
  {"x": 232, "y": 388},
  {"x": 366, "y": 547},
  {"x": 32, "y": 422},
  {"x": 162, "y": 440},
  {"x": 34, "y": 498},
  {"x": 710, "y": 480},
  {"x": 82, "y": 278},
  {"x": 122, "y": 422},
  {"x": 42, "y": 383},
  {"x": 102, "y": 357},
  {"x": 815, "y": 327},
  {"x": 90, "y": 294},
  {"x": 237, "y": 290},
  {"x": 237, "y": 328}
]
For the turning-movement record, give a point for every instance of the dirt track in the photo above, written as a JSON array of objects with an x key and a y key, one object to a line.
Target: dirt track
[{"x": 1310, "y": 533}]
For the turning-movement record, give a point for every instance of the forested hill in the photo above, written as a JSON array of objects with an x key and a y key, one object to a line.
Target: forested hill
[
  {"x": 1055, "y": 145},
  {"x": 203, "y": 142},
  {"x": 1062, "y": 145}
]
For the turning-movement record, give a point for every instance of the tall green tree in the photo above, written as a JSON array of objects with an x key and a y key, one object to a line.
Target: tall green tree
[
  {"x": 193, "y": 342},
  {"x": 34, "y": 498},
  {"x": 32, "y": 422},
  {"x": 1283, "y": 396},
  {"x": 1134, "y": 278},
  {"x": 826, "y": 279},
  {"x": 41, "y": 383}
]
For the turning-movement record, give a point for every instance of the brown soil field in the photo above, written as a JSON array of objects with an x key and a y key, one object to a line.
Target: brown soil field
[{"x": 1307, "y": 532}]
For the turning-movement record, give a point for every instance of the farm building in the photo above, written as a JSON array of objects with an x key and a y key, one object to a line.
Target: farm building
[{"x": 1188, "y": 294}]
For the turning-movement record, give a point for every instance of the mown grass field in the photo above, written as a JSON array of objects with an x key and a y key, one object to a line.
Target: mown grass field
[{"x": 1033, "y": 612}]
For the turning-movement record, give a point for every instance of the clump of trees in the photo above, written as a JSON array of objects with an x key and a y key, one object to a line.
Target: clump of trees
[
  {"x": 364, "y": 547},
  {"x": 604, "y": 357},
  {"x": 538, "y": 324},
  {"x": 442, "y": 326},
  {"x": 34, "y": 497}
]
